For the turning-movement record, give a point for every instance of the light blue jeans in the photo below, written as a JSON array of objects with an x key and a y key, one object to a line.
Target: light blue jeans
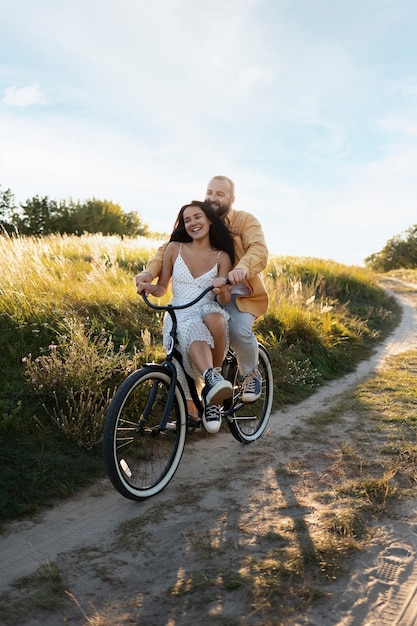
[{"x": 242, "y": 338}]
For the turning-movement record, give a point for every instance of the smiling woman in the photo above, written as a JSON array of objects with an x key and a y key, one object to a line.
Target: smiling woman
[{"x": 199, "y": 254}]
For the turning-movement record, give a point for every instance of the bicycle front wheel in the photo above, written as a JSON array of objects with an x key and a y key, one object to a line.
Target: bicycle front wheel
[
  {"x": 141, "y": 457},
  {"x": 247, "y": 422}
]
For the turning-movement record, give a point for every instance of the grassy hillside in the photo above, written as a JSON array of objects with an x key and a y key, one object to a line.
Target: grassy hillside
[{"x": 72, "y": 327}]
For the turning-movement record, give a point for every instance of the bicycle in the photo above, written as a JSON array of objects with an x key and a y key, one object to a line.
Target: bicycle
[{"x": 145, "y": 427}]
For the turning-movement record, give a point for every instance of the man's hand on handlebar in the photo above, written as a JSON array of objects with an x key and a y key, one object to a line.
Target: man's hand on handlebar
[{"x": 236, "y": 276}]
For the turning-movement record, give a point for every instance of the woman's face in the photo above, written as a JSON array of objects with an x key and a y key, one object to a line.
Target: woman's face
[{"x": 196, "y": 222}]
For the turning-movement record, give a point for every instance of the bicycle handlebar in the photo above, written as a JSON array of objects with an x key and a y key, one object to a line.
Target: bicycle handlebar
[{"x": 176, "y": 307}]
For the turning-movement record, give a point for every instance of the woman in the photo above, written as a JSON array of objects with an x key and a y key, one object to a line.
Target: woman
[{"x": 199, "y": 253}]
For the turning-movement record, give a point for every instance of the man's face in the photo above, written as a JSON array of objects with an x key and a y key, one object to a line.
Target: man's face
[{"x": 219, "y": 197}]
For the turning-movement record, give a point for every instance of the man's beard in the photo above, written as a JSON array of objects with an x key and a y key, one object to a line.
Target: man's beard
[{"x": 221, "y": 209}]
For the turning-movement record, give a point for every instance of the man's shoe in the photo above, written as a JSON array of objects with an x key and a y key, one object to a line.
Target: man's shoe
[
  {"x": 217, "y": 388},
  {"x": 212, "y": 418},
  {"x": 252, "y": 387}
]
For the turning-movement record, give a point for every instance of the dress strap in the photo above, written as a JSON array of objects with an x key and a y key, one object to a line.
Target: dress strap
[{"x": 218, "y": 255}]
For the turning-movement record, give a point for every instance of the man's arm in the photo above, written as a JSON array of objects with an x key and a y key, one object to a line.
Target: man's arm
[
  {"x": 153, "y": 267},
  {"x": 160, "y": 288},
  {"x": 255, "y": 252}
]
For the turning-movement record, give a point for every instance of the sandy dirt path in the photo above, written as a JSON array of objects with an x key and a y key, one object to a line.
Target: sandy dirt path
[{"x": 83, "y": 535}]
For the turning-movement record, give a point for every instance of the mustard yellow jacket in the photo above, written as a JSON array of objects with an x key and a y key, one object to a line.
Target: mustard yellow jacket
[{"x": 251, "y": 254}]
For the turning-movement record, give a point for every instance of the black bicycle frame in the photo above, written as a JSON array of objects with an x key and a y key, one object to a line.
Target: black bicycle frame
[{"x": 172, "y": 352}]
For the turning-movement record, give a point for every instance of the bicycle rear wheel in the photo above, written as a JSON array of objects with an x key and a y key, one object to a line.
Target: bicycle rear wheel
[
  {"x": 140, "y": 458},
  {"x": 247, "y": 422}
]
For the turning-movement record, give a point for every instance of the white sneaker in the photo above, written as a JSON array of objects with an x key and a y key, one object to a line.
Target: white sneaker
[
  {"x": 252, "y": 387},
  {"x": 217, "y": 388},
  {"x": 212, "y": 418}
]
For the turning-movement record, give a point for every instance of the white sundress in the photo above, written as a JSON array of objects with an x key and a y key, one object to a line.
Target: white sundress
[{"x": 191, "y": 326}]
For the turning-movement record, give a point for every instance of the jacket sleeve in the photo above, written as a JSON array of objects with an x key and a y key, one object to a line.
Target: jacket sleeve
[
  {"x": 255, "y": 252},
  {"x": 154, "y": 265}
]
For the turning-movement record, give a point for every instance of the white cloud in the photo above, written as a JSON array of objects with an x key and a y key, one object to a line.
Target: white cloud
[
  {"x": 23, "y": 97},
  {"x": 302, "y": 104},
  {"x": 252, "y": 75}
]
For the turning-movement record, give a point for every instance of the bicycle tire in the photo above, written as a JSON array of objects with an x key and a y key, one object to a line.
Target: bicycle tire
[
  {"x": 248, "y": 422},
  {"x": 140, "y": 458}
]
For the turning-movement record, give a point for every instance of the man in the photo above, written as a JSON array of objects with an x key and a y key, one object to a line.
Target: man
[{"x": 249, "y": 297}]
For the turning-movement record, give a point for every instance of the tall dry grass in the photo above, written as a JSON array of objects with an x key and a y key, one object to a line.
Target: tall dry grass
[{"x": 74, "y": 325}]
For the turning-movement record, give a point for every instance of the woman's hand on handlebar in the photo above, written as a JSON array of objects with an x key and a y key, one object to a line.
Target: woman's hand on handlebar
[
  {"x": 220, "y": 288},
  {"x": 146, "y": 288},
  {"x": 219, "y": 285}
]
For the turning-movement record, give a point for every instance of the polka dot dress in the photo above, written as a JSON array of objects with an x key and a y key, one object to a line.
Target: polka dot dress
[{"x": 191, "y": 326}]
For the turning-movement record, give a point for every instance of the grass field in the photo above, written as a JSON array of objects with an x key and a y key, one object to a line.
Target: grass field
[{"x": 72, "y": 327}]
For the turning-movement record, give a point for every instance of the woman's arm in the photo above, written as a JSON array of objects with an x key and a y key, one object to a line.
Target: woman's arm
[{"x": 219, "y": 284}]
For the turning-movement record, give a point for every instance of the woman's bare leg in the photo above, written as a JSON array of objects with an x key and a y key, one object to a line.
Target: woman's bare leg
[
  {"x": 200, "y": 354},
  {"x": 216, "y": 324}
]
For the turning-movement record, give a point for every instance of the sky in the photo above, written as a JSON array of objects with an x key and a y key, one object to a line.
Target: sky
[{"x": 310, "y": 106}]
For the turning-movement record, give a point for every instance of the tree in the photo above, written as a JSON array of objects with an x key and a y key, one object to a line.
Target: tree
[
  {"x": 7, "y": 208},
  {"x": 101, "y": 216},
  {"x": 108, "y": 218},
  {"x": 43, "y": 216},
  {"x": 37, "y": 216},
  {"x": 400, "y": 252},
  {"x": 134, "y": 226},
  {"x": 64, "y": 218}
]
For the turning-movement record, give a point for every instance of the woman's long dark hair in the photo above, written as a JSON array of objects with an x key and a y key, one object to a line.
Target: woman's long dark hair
[{"x": 220, "y": 237}]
